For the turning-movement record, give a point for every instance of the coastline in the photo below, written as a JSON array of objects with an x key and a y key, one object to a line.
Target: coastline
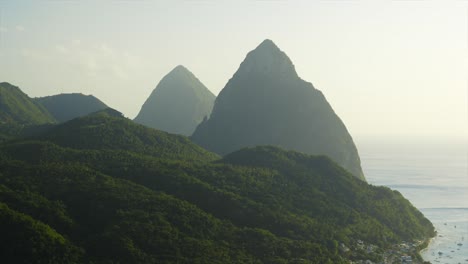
[
  {"x": 449, "y": 245},
  {"x": 433, "y": 178},
  {"x": 425, "y": 247}
]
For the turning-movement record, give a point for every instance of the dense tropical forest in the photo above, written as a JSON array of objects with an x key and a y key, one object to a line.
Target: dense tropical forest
[{"x": 103, "y": 189}]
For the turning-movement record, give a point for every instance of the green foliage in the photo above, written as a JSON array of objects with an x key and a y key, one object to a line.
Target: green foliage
[
  {"x": 117, "y": 192},
  {"x": 263, "y": 213},
  {"x": 325, "y": 180},
  {"x": 17, "y": 111},
  {"x": 25, "y": 240},
  {"x": 52, "y": 213},
  {"x": 107, "y": 129}
]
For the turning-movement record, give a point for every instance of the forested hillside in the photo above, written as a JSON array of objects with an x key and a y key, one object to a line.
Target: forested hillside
[
  {"x": 18, "y": 110},
  {"x": 64, "y": 107},
  {"x": 101, "y": 189}
]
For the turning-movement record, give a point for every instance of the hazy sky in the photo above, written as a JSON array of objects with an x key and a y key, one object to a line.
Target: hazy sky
[{"x": 388, "y": 68}]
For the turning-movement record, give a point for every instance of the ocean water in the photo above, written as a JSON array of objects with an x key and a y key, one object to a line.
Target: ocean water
[{"x": 434, "y": 178}]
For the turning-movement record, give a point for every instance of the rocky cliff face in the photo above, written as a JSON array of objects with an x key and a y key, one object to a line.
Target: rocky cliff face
[
  {"x": 177, "y": 104},
  {"x": 266, "y": 103}
]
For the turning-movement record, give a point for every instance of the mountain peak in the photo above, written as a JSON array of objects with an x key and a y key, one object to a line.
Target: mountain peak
[
  {"x": 268, "y": 59},
  {"x": 180, "y": 68},
  {"x": 267, "y": 103},
  {"x": 177, "y": 104},
  {"x": 180, "y": 74},
  {"x": 267, "y": 44}
]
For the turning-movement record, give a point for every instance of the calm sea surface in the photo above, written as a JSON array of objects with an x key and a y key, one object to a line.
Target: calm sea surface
[{"x": 434, "y": 178}]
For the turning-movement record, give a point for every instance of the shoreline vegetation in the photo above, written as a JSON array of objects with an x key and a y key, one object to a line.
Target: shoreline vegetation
[{"x": 425, "y": 246}]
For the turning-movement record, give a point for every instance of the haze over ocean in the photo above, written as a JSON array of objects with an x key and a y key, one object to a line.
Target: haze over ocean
[{"x": 434, "y": 177}]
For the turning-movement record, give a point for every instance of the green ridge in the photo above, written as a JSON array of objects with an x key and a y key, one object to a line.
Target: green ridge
[
  {"x": 108, "y": 129},
  {"x": 17, "y": 111},
  {"x": 64, "y": 107}
]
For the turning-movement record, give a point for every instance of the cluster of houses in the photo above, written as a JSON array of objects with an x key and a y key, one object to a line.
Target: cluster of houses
[{"x": 400, "y": 253}]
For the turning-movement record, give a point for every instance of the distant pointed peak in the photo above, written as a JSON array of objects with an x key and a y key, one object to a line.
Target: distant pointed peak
[
  {"x": 267, "y": 44},
  {"x": 180, "y": 70},
  {"x": 180, "y": 67},
  {"x": 180, "y": 78}
]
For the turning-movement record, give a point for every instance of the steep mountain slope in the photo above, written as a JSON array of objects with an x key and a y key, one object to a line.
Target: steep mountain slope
[
  {"x": 177, "y": 104},
  {"x": 266, "y": 103},
  {"x": 17, "y": 110},
  {"x": 64, "y": 107}
]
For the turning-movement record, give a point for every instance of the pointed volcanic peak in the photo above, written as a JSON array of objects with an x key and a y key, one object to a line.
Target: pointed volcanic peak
[
  {"x": 266, "y": 103},
  {"x": 178, "y": 103},
  {"x": 267, "y": 59},
  {"x": 65, "y": 107}
]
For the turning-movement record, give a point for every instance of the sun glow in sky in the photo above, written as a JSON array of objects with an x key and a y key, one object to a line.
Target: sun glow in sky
[{"x": 388, "y": 68}]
